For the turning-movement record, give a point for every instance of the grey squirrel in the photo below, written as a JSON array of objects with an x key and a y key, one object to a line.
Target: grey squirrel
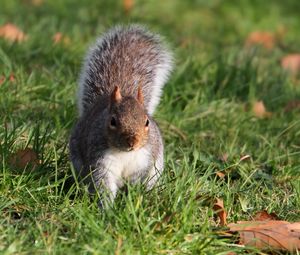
[{"x": 116, "y": 139}]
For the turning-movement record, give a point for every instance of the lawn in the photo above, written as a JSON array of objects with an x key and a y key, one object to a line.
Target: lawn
[{"x": 205, "y": 115}]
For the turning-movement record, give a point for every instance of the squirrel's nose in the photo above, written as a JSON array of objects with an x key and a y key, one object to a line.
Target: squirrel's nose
[{"x": 132, "y": 141}]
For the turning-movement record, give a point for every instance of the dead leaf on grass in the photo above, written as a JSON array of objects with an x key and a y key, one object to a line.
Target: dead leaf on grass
[
  {"x": 245, "y": 157},
  {"x": 119, "y": 246},
  {"x": 269, "y": 234},
  {"x": 291, "y": 63},
  {"x": 220, "y": 174},
  {"x": 12, "y": 33},
  {"x": 218, "y": 207},
  {"x": 60, "y": 38},
  {"x": 128, "y": 5},
  {"x": 12, "y": 77},
  {"x": 262, "y": 38},
  {"x": 260, "y": 111},
  {"x": 224, "y": 157},
  {"x": 23, "y": 158},
  {"x": 264, "y": 216}
]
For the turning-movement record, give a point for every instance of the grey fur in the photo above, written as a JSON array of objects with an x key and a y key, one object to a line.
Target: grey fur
[{"x": 127, "y": 57}]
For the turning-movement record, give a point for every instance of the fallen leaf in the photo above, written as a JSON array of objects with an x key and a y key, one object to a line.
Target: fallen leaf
[
  {"x": 220, "y": 174},
  {"x": 57, "y": 37},
  {"x": 12, "y": 77},
  {"x": 270, "y": 234},
  {"x": 60, "y": 38},
  {"x": 119, "y": 246},
  {"x": 259, "y": 110},
  {"x": 224, "y": 157},
  {"x": 245, "y": 157},
  {"x": 264, "y": 216},
  {"x": 218, "y": 207},
  {"x": 24, "y": 158},
  {"x": 12, "y": 33},
  {"x": 291, "y": 63},
  {"x": 128, "y": 5},
  {"x": 262, "y": 38}
]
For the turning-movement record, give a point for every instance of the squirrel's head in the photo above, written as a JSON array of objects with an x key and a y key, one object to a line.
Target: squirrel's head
[{"x": 127, "y": 123}]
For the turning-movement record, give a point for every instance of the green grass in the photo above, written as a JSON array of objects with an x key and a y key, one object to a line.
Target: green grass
[{"x": 202, "y": 116}]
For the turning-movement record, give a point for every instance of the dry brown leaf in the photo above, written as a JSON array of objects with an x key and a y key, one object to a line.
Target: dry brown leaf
[
  {"x": 224, "y": 157},
  {"x": 291, "y": 63},
  {"x": 268, "y": 234},
  {"x": 12, "y": 77},
  {"x": 259, "y": 110},
  {"x": 119, "y": 246},
  {"x": 57, "y": 37},
  {"x": 265, "y": 39},
  {"x": 23, "y": 158},
  {"x": 60, "y": 38},
  {"x": 220, "y": 174},
  {"x": 218, "y": 207},
  {"x": 245, "y": 157},
  {"x": 12, "y": 33},
  {"x": 264, "y": 216},
  {"x": 128, "y": 5}
]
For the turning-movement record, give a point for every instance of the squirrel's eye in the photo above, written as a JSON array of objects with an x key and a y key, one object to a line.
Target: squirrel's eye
[
  {"x": 147, "y": 123},
  {"x": 113, "y": 122}
]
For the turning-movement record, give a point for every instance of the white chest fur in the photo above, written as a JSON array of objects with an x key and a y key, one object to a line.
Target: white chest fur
[{"x": 126, "y": 165}]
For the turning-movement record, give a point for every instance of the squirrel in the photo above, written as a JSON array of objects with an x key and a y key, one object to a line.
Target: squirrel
[{"x": 116, "y": 139}]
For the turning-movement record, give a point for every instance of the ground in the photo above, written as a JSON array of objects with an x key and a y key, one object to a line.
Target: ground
[{"x": 205, "y": 115}]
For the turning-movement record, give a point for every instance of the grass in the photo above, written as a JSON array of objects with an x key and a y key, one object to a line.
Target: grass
[{"x": 202, "y": 116}]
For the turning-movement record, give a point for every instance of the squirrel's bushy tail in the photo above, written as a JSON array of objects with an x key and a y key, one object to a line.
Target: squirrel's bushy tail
[{"x": 126, "y": 57}]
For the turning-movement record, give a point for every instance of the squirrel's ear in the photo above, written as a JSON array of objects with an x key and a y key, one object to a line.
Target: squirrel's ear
[
  {"x": 140, "y": 96},
  {"x": 116, "y": 95}
]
